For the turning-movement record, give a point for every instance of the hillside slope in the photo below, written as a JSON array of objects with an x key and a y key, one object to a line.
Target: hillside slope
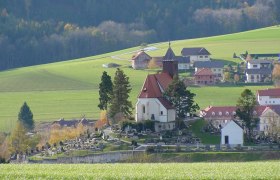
[{"x": 70, "y": 89}]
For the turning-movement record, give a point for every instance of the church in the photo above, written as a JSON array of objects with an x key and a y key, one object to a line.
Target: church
[{"x": 151, "y": 105}]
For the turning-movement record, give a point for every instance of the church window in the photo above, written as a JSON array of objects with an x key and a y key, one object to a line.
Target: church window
[
  {"x": 143, "y": 109},
  {"x": 161, "y": 112}
]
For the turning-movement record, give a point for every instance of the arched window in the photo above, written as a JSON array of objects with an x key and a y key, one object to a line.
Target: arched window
[
  {"x": 143, "y": 109},
  {"x": 227, "y": 113},
  {"x": 220, "y": 113},
  {"x": 213, "y": 113}
]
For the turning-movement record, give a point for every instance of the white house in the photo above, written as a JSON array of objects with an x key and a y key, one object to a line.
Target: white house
[
  {"x": 232, "y": 134},
  {"x": 258, "y": 71},
  {"x": 269, "y": 96},
  {"x": 151, "y": 105},
  {"x": 196, "y": 54}
]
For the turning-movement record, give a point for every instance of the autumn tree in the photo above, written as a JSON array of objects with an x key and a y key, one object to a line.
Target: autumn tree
[
  {"x": 276, "y": 75},
  {"x": 105, "y": 91},
  {"x": 26, "y": 117},
  {"x": 181, "y": 98},
  {"x": 236, "y": 78},
  {"x": 121, "y": 89},
  {"x": 246, "y": 105},
  {"x": 19, "y": 140}
]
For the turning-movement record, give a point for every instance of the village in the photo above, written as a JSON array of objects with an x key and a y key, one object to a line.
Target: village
[{"x": 156, "y": 128}]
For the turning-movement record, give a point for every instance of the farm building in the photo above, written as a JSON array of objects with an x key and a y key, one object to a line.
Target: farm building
[
  {"x": 232, "y": 134},
  {"x": 151, "y": 105},
  {"x": 140, "y": 60}
]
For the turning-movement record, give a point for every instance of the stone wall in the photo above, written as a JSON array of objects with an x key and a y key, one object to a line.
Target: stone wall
[{"x": 109, "y": 157}]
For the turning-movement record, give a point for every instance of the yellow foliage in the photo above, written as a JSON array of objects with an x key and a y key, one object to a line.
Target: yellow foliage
[
  {"x": 102, "y": 121},
  {"x": 61, "y": 134}
]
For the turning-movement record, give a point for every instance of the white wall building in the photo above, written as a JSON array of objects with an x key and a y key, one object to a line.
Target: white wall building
[
  {"x": 196, "y": 54},
  {"x": 151, "y": 105},
  {"x": 269, "y": 96},
  {"x": 232, "y": 134}
]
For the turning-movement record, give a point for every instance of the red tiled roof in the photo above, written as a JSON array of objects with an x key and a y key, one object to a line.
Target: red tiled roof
[
  {"x": 204, "y": 72},
  {"x": 153, "y": 84},
  {"x": 269, "y": 92},
  {"x": 227, "y": 111},
  {"x": 166, "y": 103},
  {"x": 275, "y": 108}
]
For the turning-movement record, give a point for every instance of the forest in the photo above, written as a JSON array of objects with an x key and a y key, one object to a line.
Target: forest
[{"x": 36, "y": 32}]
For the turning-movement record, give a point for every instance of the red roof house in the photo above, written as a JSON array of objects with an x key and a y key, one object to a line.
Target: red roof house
[{"x": 204, "y": 77}]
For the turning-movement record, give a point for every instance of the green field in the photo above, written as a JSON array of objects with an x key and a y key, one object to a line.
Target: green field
[
  {"x": 243, "y": 170},
  {"x": 70, "y": 89}
]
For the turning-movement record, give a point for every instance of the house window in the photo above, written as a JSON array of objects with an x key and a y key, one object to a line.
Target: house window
[
  {"x": 255, "y": 65},
  {"x": 227, "y": 113},
  {"x": 161, "y": 112},
  {"x": 200, "y": 56},
  {"x": 152, "y": 117},
  {"x": 143, "y": 109},
  {"x": 214, "y": 69},
  {"x": 252, "y": 77},
  {"x": 220, "y": 113},
  {"x": 206, "y": 56},
  {"x": 213, "y": 113}
]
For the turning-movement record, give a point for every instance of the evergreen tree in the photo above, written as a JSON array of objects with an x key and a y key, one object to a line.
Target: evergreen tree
[
  {"x": 181, "y": 98},
  {"x": 105, "y": 91},
  {"x": 246, "y": 106},
  {"x": 120, "y": 95},
  {"x": 26, "y": 116}
]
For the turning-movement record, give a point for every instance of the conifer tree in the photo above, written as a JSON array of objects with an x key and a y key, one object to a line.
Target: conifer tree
[
  {"x": 105, "y": 91},
  {"x": 181, "y": 98},
  {"x": 26, "y": 117},
  {"x": 120, "y": 95}
]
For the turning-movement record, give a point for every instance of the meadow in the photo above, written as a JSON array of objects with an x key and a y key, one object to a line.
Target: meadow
[
  {"x": 69, "y": 89},
  {"x": 230, "y": 170}
]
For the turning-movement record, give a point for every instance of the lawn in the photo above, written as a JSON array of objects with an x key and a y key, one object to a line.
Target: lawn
[
  {"x": 238, "y": 170},
  {"x": 205, "y": 138},
  {"x": 70, "y": 89}
]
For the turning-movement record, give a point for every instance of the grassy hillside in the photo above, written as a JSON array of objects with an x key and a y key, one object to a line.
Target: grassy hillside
[{"x": 70, "y": 89}]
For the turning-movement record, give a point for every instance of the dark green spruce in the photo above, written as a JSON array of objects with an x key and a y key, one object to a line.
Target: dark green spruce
[
  {"x": 120, "y": 96},
  {"x": 26, "y": 116},
  {"x": 105, "y": 91}
]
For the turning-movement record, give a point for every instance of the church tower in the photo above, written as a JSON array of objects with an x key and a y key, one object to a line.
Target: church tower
[{"x": 169, "y": 63}]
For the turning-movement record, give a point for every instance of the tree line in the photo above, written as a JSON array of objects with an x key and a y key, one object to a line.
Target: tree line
[{"x": 35, "y": 32}]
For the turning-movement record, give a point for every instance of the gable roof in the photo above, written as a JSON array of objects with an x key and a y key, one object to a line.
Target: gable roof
[
  {"x": 263, "y": 71},
  {"x": 194, "y": 51},
  {"x": 134, "y": 57},
  {"x": 230, "y": 122},
  {"x": 275, "y": 108},
  {"x": 259, "y": 61},
  {"x": 269, "y": 92},
  {"x": 204, "y": 72},
  {"x": 208, "y": 64},
  {"x": 154, "y": 85}
]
